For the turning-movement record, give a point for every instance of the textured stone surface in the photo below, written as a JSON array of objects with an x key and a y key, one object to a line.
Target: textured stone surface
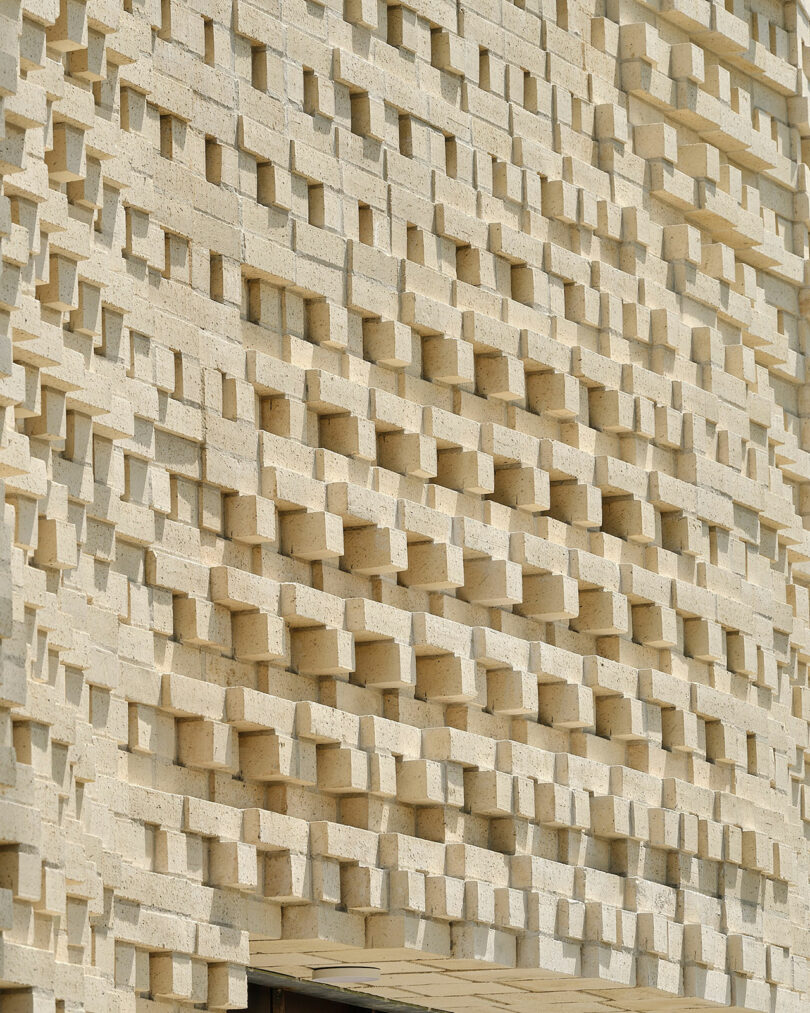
[{"x": 402, "y": 443}]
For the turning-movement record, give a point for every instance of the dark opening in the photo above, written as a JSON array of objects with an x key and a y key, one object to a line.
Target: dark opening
[{"x": 269, "y": 992}]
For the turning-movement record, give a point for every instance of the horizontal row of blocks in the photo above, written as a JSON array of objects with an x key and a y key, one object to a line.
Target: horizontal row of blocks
[
  {"x": 260, "y": 636},
  {"x": 532, "y": 370}
]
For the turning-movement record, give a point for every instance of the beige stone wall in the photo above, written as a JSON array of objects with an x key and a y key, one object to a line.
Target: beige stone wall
[{"x": 402, "y": 436}]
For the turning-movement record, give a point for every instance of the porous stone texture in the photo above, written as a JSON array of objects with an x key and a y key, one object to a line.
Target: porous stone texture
[{"x": 405, "y": 551}]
